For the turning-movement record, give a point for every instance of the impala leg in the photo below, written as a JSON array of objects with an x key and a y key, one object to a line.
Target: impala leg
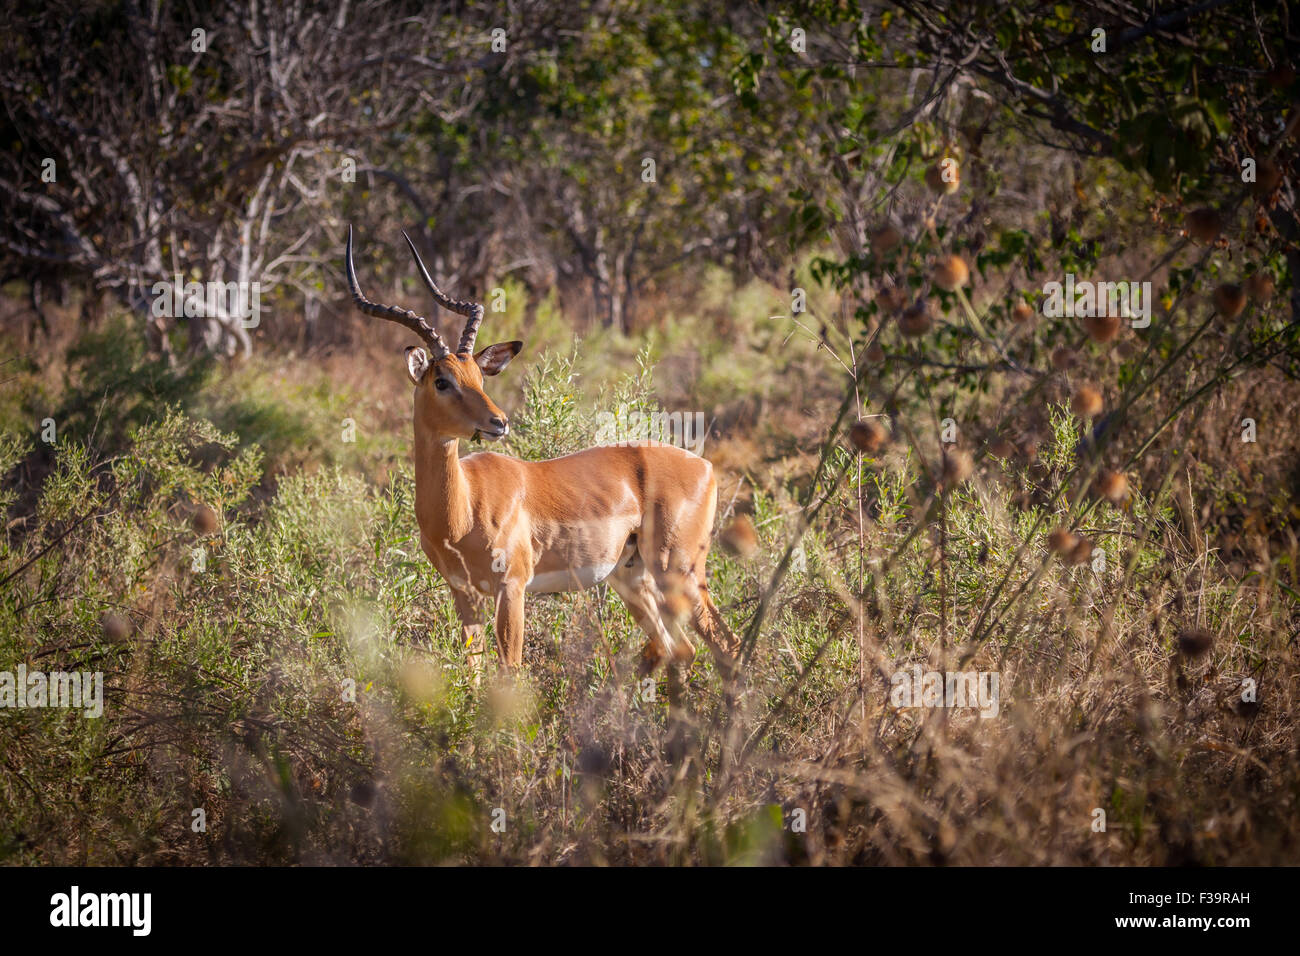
[
  {"x": 676, "y": 598},
  {"x": 468, "y": 608},
  {"x": 636, "y": 588},
  {"x": 710, "y": 625},
  {"x": 510, "y": 624},
  {"x": 665, "y": 592},
  {"x": 679, "y": 549},
  {"x": 642, "y": 608}
]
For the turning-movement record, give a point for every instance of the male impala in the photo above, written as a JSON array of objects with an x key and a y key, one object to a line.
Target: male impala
[{"x": 638, "y": 518}]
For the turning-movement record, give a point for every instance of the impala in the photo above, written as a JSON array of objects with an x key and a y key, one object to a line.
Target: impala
[{"x": 638, "y": 518}]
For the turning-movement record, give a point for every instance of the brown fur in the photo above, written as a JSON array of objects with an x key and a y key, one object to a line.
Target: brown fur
[{"x": 492, "y": 524}]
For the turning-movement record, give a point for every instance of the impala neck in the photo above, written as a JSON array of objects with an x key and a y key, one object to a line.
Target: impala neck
[{"x": 441, "y": 491}]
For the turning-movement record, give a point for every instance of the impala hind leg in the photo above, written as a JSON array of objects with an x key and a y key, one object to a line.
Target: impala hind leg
[
  {"x": 710, "y": 625},
  {"x": 665, "y": 642},
  {"x": 678, "y": 554}
]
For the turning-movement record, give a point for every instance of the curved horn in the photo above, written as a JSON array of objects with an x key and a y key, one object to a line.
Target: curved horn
[
  {"x": 416, "y": 323},
  {"x": 472, "y": 311},
  {"x": 467, "y": 337}
]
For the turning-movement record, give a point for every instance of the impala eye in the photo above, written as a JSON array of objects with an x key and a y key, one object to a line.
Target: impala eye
[{"x": 441, "y": 384}]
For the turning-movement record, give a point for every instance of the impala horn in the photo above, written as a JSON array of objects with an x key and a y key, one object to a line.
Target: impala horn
[
  {"x": 472, "y": 311},
  {"x": 416, "y": 323}
]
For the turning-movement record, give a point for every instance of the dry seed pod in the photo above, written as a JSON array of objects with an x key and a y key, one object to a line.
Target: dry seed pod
[
  {"x": 1229, "y": 300},
  {"x": 957, "y": 466},
  {"x": 1204, "y": 224},
  {"x": 1086, "y": 402},
  {"x": 1195, "y": 642},
  {"x": 915, "y": 320},
  {"x": 115, "y": 626},
  {"x": 1081, "y": 553},
  {"x": 891, "y": 298},
  {"x": 1064, "y": 359},
  {"x": 885, "y": 238},
  {"x": 1062, "y": 541},
  {"x": 875, "y": 353},
  {"x": 1001, "y": 448},
  {"x": 362, "y": 793},
  {"x": 739, "y": 537},
  {"x": 1101, "y": 328},
  {"x": 1246, "y": 709},
  {"x": 944, "y": 177},
  {"x": 868, "y": 436},
  {"x": 1268, "y": 176},
  {"x": 204, "y": 520},
  {"x": 951, "y": 273},
  {"x": 1022, "y": 314},
  {"x": 1112, "y": 485},
  {"x": 1259, "y": 286}
]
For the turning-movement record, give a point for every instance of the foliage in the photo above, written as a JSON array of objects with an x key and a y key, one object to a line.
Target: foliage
[{"x": 1049, "y": 499}]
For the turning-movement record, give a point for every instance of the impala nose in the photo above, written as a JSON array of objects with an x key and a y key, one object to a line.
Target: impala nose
[{"x": 499, "y": 423}]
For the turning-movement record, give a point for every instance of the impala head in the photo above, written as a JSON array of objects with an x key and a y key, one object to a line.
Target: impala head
[{"x": 449, "y": 394}]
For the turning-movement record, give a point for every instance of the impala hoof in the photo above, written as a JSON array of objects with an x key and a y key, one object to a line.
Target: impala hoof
[{"x": 649, "y": 660}]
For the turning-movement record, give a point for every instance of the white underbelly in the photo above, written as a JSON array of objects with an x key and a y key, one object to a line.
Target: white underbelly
[{"x": 570, "y": 579}]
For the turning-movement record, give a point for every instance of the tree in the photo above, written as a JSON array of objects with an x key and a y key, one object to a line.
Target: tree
[{"x": 210, "y": 144}]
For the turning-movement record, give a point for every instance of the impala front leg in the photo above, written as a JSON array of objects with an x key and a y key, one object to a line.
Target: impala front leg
[
  {"x": 510, "y": 623},
  {"x": 469, "y": 609}
]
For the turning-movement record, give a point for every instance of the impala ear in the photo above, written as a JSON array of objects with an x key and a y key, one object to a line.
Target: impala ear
[
  {"x": 496, "y": 357},
  {"x": 417, "y": 363}
]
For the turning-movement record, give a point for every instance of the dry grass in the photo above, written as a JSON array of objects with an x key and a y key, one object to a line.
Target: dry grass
[{"x": 224, "y": 692}]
